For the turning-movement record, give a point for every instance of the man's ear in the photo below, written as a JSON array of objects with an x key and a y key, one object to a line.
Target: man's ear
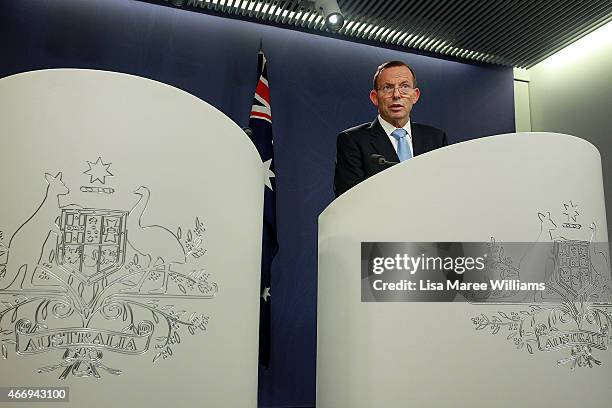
[
  {"x": 374, "y": 97},
  {"x": 417, "y": 94}
]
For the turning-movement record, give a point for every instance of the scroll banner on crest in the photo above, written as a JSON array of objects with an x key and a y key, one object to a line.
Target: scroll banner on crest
[{"x": 76, "y": 337}]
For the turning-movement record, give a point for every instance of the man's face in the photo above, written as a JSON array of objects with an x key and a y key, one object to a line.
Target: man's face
[{"x": 394, "y": 107}]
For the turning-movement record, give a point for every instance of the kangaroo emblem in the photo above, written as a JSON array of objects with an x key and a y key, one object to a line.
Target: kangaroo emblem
[
  {"x": 26, "y": 246},
  {"x": 153, "y": 239}
]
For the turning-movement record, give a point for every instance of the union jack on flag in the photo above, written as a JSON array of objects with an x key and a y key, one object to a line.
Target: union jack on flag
[
  {"x": 260, "y": 123},
  {"x": 261, "y": 100}
]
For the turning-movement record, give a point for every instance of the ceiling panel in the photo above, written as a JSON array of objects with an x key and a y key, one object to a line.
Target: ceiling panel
[{"x": 517, "y": 33}]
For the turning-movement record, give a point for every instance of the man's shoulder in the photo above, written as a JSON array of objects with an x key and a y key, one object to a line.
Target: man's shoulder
[
  {"x": 430, "y": 137},
  {"x": 363, "y": 128},
  {"x": 420, "y": 127},
  {"x": 356, "y": 134}
]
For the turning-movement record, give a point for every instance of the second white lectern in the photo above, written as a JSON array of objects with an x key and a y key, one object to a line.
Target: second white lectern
[{"x": 537, "y": 187}]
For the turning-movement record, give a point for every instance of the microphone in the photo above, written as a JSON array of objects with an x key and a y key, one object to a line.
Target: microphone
[
  {"x": 248, "y": 131},
  {"x": 380, "y": 160}
]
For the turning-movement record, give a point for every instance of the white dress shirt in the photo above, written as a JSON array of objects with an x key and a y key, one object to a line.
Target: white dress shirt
[{"x": 389, "y": 128}]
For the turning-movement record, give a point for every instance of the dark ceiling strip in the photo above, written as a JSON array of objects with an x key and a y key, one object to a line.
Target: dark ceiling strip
[
  {"x": 269, "y": 16},
  {"x": 270, "y": 4},
  {"x": 364, "y": 18},
  {"x": 303, "y": 14},
  {"x": 384, "y": 21},
  {"x": 353, "y": 14},
  {"x": 312, "y": 21},
  {"x": 415, "y": 22},
  {"x": 440, "y": 31},
  {"x": 370, "y": 11},
  {"x": 250, "y": 13},
  {"x": 284, "y": 10},
  {"x": 258, "y": 10},
  {"x": 535, "y": 35},
  {"x": 357, "y": 28},
  {"x": 243, "y": 6},
  {"x": 281, "y": 7},
  {"x": 549, "y": 53},
  {"x": 483, "y": 21},
  {"x": 399, "y": 23},
  {"x": 438, "y": 34},
  {"x": 518, "y": 33},
  {"x": 292, "y": 8},
  {"x": 430, "y": 19},
  {"x": 285, "y": 6},
  {"x": 237, "y": 6},
  {"x": 306, "y": 17},
  {"x": 316, "y": 14},
  {"x": 421, "y": 29},
  {"x": 508, "y": 32},
  {"x": 357, "y": 7},
  {"x": 523, "y": 59},
  {"x": 490, "y": 26},
  {"x": 461, "y": 24},
  {"x": 232, "y": 5},
  {"x": 588, "y": 16},
  {"x": 359, "y": 25},
  {"x": 303, "y": 17},
  {"x": 297, "y": 16}
]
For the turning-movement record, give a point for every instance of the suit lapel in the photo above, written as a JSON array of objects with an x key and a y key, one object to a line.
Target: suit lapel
[
  {"x": 417, "y": 140},
  {"x": 381, "y": 143}
]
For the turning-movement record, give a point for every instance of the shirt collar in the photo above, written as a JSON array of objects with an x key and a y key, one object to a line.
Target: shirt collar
[{"x": 389, "y": 128}]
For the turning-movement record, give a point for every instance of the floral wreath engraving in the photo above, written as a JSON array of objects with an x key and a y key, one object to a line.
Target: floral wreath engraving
[
  {"x": 580, "y": 316},
  {"x": 96, "y": 267}
]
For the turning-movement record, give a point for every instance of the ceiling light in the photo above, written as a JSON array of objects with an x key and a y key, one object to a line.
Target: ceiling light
[{"x": 334, "y": 20}]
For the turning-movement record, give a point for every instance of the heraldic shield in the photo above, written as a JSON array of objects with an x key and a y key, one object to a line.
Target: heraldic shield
[
  {"x": 573, "y": 266},
  {"x": 92, "y": 242}
]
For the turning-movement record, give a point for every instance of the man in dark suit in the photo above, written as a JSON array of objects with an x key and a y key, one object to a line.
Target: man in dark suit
[{"x": 390, "y": 135}]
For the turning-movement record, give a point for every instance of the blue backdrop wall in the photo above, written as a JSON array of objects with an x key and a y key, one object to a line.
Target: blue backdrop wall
[{"x": 319, "y": 86}]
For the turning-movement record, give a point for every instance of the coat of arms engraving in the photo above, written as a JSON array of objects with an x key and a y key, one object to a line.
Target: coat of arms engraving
[
  {"x": 84, "y": 282},
  {"x": 575, "y": 311}
]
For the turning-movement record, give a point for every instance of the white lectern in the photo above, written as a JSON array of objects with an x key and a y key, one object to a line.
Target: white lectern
[
  {"x": 527, "y": 187},
  {"x": 119, "y": 241}
]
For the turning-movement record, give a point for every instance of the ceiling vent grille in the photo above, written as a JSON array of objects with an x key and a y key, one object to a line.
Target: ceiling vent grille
[{"x": 517, "y": 33}]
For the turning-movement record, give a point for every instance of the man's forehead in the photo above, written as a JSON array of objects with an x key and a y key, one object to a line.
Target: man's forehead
[{"x": 396, "y": 74}]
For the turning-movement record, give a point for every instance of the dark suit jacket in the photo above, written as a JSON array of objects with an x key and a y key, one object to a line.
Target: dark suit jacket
[{"x": 356, "y": 145}]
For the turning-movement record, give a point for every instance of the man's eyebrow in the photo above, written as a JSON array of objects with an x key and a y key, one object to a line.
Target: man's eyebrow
[{"x": 401, "y": 83}]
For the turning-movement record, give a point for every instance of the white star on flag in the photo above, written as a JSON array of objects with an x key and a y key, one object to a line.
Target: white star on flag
[
  {"x": 268, "y": 174},
  {"x": 265, "y": 294}
]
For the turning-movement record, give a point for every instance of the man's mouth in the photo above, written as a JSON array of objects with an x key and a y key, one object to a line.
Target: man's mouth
[{"x": 396, "y": 107}]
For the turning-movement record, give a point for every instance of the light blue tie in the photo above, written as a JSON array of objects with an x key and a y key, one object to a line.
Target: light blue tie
[{"x": 403, "y": 150}]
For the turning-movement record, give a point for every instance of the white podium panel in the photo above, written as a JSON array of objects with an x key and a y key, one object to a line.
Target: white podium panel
[
  {"x": 129, "y": 244},
  {"x": 527, "y": 187}
]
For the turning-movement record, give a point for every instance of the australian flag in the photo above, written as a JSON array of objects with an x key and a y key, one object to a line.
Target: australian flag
[{"x": 260, "y": 123}]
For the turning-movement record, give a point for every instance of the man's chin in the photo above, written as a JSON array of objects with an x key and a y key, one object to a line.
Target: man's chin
[{"x": 397, "y": 118}]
